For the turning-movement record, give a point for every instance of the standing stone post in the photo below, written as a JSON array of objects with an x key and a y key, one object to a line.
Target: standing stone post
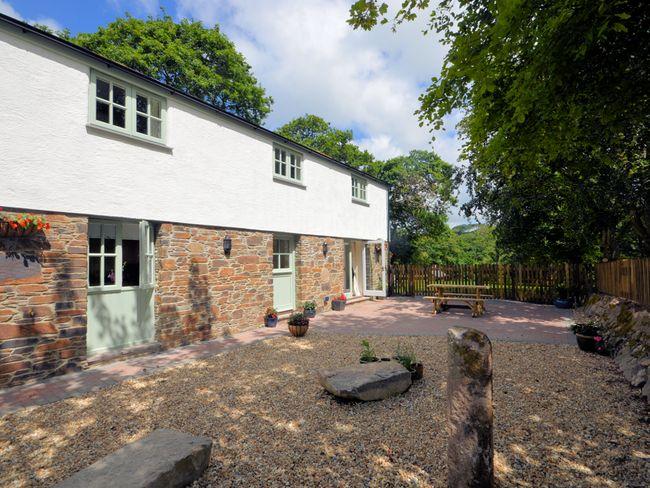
[{"x": 470, "y": 415}]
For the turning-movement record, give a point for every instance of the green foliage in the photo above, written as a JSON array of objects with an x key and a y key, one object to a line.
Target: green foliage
[
  {"x": 451, "y": 247},
  {"x": 556, "y": 97},
  {"x": 298, "y": 319},
  {"x": 318, "y": 134},
  {"x": 367, "y": 352},
  {"x": 405, "y": 355},
  {"x": 309, "y": 305},
  {"x": 197, "y": 60}
]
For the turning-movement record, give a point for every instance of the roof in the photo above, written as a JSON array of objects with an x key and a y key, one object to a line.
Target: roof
[{"x": 27, "y": 28}]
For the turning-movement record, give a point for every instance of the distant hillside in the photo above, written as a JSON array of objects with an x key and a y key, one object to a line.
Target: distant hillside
[{"x": 466, "y": 228}]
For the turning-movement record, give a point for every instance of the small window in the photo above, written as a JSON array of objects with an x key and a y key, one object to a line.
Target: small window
[
  {"x": 359, "y": 189},
  {"x": 120, "y": 106},
  {"x": 287, "y": 164}
]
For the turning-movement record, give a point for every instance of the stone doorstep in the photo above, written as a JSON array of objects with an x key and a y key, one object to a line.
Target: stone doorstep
[
  {"x": 126, "y": 353},
  {"x": 164, "y": 458}
]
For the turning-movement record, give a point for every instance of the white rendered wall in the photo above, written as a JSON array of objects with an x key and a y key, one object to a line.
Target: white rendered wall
[{"x": 217, "y": 172}]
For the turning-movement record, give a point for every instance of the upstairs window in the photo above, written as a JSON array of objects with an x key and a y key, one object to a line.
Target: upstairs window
[
  {"x": 287, "y": 164},
  {"x": 121, "y": 107},
  {"x": 359, "y": 187}
]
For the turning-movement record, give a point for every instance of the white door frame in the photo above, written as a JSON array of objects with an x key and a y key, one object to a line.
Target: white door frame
[
  {"x": 291, "y": 270},
  {"x": 374, "y": 293}
]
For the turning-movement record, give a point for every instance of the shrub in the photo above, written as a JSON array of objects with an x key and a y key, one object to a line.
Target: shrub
[
  {"x": 271, "y": 313},
  {"x": 309, "y": 305},
  {"x": 367, "y": 353},
  {"x": 586, "y": 328},
  {"x": 405, "y": 355}
]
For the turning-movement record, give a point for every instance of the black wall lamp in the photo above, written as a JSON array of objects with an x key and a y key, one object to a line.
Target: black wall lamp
[
  {"x": 227, "y": 245},
  {"x": 324, "y": 248}
]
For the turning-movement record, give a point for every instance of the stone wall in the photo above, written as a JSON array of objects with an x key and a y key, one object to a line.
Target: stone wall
[
  {"x": 43, "y": 300},
  {"x": 200, "y": 292},
  {"x": 319, "y": 276},
  {"x": 626, "y": 328}
]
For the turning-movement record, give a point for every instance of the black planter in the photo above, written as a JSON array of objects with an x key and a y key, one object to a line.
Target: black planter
[
  {"x": 364, "y": 361},
  {"x": 417, "y": 371},
  {"x": 310, "y": 313},
  {"x": 563, "y": 302},
  {"x": 338, "y": 305},
  {"x": 270, "y": 322},
  {"x": 586, "y": 343}
]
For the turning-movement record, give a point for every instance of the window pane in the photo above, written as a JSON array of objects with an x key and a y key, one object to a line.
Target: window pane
[
  {"x": 293, "y": 160},
  {"x": 155, "y": 128},
  {"x": 276, "y": 261},
  {"x": 283, "y": 155},
  {"x": 94, "y": 238},
  {"x": 155, "y": 108},
  {"x": 141, "y": 124},
  {"x": 109, "y": 270},
  {"x": 284, "y": 261},
  {"x": 277, "y": 154},
  {"x": 277, "y": 167},
  {"x": 94, "y": 271},
  {"x": 293, "y": 172},
  {"x": 283, "y": 169},
  {"x": 101, "y": 112},
  {"x": 276, "y": 245},
  {"x": 298, "y": 175},
  {"x": 119, "y": 117},
  {"x": 141, "y": 104},
  {"x": 103, "y": 89},
  {"x": 130, "y": 262},
  {"x": 283, "y": 245},
  {"x": 119, "y": 95},
  {"x": 109, "y": 238}
]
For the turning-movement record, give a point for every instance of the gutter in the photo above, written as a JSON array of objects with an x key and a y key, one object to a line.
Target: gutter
[{"x": 26, "y": 28}]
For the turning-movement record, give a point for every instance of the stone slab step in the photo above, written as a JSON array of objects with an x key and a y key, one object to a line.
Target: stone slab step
[{"x": 165, "y": 458}]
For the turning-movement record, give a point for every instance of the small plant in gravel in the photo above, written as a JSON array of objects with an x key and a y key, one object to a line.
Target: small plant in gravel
[
  {"x": 367, "y": 353},
  {"x": 405, "y": 355}
]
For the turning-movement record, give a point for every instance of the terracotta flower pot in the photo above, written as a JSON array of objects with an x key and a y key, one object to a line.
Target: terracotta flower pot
[{"x": 298, "y": 330}]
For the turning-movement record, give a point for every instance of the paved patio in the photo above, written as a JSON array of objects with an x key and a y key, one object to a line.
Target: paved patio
[{"x": 503, "y": 320}]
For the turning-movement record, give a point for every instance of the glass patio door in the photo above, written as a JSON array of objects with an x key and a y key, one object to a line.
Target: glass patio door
[{"x": 374, "y": 266}]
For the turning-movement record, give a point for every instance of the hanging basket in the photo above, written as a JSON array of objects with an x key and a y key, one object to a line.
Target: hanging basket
[{"x": 7, "y": 231}]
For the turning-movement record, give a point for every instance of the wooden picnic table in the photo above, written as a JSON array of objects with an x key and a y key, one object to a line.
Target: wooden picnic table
[{"x": 472, "y": 295}]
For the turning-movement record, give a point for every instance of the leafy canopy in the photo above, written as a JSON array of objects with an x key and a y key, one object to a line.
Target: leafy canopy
[
  {"x": 197, "y": 60},
  {"x": 315, "y": 132},
  {"x": 555, "y": 96}
]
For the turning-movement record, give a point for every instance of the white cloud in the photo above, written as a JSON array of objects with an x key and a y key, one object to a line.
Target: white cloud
[{"x": 7, "y": 9}]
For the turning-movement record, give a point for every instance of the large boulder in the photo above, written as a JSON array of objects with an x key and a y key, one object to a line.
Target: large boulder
[
  {"x": 165, "y": 458},
  {"x": 366, "y": 382}
]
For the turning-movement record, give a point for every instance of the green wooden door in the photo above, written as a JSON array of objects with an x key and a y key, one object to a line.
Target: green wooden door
[
  {"x": 120, "y": 285},
  {"x": 284, "y": 282}
]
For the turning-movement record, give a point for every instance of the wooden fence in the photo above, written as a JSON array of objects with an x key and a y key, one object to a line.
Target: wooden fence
[
  {"x": 627, "y": 278},
  {"x": 535, "y": 283}
]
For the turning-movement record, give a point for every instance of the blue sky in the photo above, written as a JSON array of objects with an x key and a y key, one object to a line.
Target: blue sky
[{"x": 307, "y": 58}]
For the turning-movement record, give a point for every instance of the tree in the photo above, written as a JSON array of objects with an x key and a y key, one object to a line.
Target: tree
[
  {"x": 187, "y": 56},
  {"x": 318, "y": 134},
  {"x": 556, "y": 97}
]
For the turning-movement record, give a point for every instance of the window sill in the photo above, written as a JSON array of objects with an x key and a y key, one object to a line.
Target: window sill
[
  {"x": 358, "y": 201},
  {"x": 282, "y": 271},
  {"x": 126, "y": 135},
  {"x": 289, "y": 181}
]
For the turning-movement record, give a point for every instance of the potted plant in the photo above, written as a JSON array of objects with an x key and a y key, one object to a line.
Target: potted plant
[
  {"x": 271, "y": 317},
  {"x": 588, "y": 337},
  {"x": 407, "y": 358},
  {"x": 23, "y": 225},
  {"x": 563, "y": 300},
  {"x": 309, "y": 309},
  {"x": 338, "y": 303},
  {"x": 298, "y": 324},
  {"x": 367, "y": 353}
]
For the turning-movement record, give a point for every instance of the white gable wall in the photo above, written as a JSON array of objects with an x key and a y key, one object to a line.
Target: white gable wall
[{"x": 217, "y": 172}]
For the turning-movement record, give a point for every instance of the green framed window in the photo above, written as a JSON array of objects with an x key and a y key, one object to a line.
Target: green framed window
[
  {"x": 282, "y": 254},
  {"x": 359, "y": 189},
  {"x": 287, "y": 164},
  {"x": 121, "y": 107}
]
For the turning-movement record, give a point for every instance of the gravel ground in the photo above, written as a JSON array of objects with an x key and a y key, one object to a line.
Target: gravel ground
[{"x": 562, "y": 418}]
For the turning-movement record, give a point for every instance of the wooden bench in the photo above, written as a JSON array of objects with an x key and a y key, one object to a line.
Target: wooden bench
[{"x": 476, "y": 304}]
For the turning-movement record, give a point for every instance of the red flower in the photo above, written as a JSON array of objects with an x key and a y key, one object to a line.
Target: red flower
[{"x": 47, "y": 226}]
